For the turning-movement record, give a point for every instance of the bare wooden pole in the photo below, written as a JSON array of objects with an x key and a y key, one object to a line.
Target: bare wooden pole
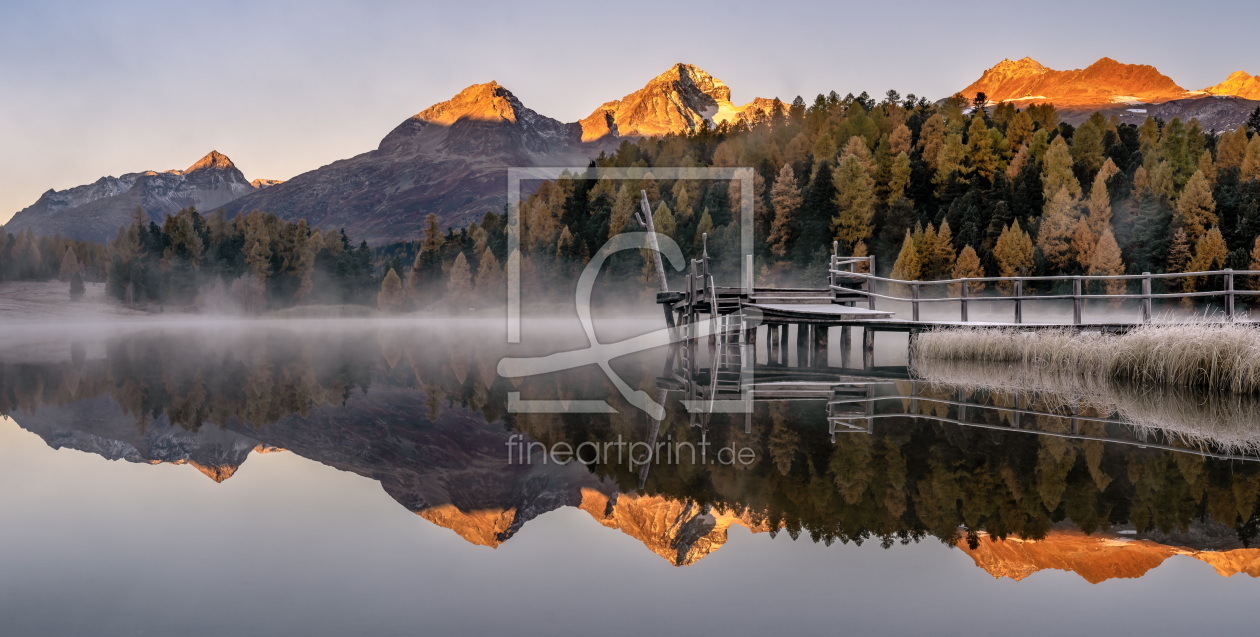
[{"x": 653, "y": 244}]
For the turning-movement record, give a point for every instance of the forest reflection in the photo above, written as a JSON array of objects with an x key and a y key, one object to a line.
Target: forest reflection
[{"x": 422, "y": 411}]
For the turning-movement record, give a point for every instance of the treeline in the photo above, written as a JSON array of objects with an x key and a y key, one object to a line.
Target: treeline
[
  {"x": 251, "y": 263},
  {"x": 458, "y": 267},
  {"x": 27, "y": 257},
  {"x": 932, "y": 190}
]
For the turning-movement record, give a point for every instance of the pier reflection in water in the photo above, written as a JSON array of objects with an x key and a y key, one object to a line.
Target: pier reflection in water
[{"x": 1019, "y": 479}]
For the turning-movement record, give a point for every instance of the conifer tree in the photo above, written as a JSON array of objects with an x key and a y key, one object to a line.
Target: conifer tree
[
  {"x": 785, "y": 199},
  {"x": 967, "y": 267},
  {"x": 1254, "y": 282},
  {"x": 1251, "y": 160},
  {"x": 69, "y": 264},
  {"x": 391, "y": 297},
  {"x": 1105, "y": 260},
  {"x": 459, "y": 284},
  {"x": 908, "y": 266},
  {"x": 855, "y": 201},
  {"x": 489, "y": 281},
  {"x": 899, "y": 175},
  {"x": 1058, "y": 226},
  {"x": 1196, "y": 209},
  {"x": 623, "y": 209},
  {"x": 980, "y": 149},
  {"x": 1014, "y": 254},
  {"x": 1056, "y": 172},
  {"x": 1232, "y": 148}
]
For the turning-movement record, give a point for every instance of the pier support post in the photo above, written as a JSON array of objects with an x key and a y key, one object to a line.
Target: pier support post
[
  {"x": 1076, "y": 300},
  {"x": 1146, "y": 297},
  {"x": 846, "y": 345},
  {"x": 1229, "y": 293},
  {"x": 1019, "y": 300},
  {"x": 962, "y": 288},
  {"x": 820, "y": 345},
  {"x": 802, "y": 345},
  {"x": 868, "y": 348},
  {"x": 783, "y": 344}
]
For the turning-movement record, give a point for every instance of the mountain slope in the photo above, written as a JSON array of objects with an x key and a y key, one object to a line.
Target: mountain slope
[
  {"x": 676, "y": 101},
  {"x": 1239, "y": 84},
  {"x": 1103, "y": 82},
  {"x": 450, "y": 159},
  {"x": 96, "y": 211}
]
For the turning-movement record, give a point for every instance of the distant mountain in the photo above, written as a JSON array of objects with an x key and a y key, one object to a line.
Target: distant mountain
[
  {"x": 1131, "y": 92},
  {"x": 678, "y": 100},
  {"x": 1239, "y": 84},
  {"x": 452, "y": 158},
  {"x": 1103, "y": 82},
  {"x": 95, "y": 212}
]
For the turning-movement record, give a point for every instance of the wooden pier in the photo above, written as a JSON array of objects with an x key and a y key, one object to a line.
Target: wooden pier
[{"x": 857, "y": 298}]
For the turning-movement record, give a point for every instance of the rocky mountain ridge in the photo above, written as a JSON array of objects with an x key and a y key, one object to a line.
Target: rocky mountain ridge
[{"x": 95, "y": 212}]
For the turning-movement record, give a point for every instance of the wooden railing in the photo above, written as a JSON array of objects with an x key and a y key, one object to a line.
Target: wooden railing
[{"x": 845, "y": 269}]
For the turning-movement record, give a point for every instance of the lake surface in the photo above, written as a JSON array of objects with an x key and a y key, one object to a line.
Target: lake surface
[{"x": 380, "y": 478}]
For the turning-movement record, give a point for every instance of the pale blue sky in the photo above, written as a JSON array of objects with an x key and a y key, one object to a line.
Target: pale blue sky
[{"x": 95, "y": 88}]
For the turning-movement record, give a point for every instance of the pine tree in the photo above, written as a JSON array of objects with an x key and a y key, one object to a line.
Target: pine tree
[
  {"x": 77, "y": 290},
  {"x": 391, "y": 297},
  {"x": 785, "y": 199},
  {"x": 459, "y": 284},
  {"x": 980, "y": 149},
  {"x": 949, "y": 163},
  {"x": 1105, "y": 260},
  {"x": 855, "y": 201},
  {"x": 705, "y": 226},
  {"x": 899, "y": 175},
  {"x": 967, "y": 267},
  {"x": 1210, "y": 253},
  {"x": 937, "y": 254},
  {"x": 1014, "y": 254},
  {"x": 1232, "y": 148},
  {"x": 1058, "y": 225},
  {"x": 1056, "y": 172},
  {"x": 1254, "y": 280},
  {"x": 623, "y": 209},
  {"x": 69, "y": 264},
  {"x": 1196, "y": 209},
  {"x": 908, "y": 266},
  {"x": 1251, "y": 160},
  {"x": 489, "y": 282},
  {"x": 1087, "y": 143}
]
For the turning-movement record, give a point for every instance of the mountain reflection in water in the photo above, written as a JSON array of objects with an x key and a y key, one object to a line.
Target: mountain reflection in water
[{"x": 1020, "y": 481}]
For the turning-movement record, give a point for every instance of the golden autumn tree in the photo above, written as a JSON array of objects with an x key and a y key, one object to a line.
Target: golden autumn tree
[
  {"x": 1058, "y": 226},
  {"x": 967, "y": 266},
  {"x": 1105, "y": 260},
  {"x": 391, "y": 297},
  {"x": 908, "y": 266},
  {"x": 785, "y": 199},
  {"x": 855, "y": 197},
  {"x": 1196, "y": 209},
  {"x": 459, "y": 282},
  {"x": 1014, "y": 254}
]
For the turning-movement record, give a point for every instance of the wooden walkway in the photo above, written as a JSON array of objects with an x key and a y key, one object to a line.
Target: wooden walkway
[{"x": 854, "y": 298}]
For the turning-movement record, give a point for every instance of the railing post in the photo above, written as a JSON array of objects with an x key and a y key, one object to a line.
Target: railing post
[
  {"x": 749, "y": 282},
  {"x": 870, "y": 283},
  {"x": 1019, "y": 300},
  {"x": 914, "y": 301},
  {"x": 1229, "y": 293},
  {"x": 1076, "y": 300},
  {"x": 1146, "y": 297},
  {"x": 963, "y": 300}
]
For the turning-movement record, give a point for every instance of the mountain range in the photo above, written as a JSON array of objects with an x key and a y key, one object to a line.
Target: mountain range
[{"x": 452, "y": 158}]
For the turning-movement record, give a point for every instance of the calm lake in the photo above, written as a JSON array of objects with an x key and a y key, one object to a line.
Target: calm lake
[{"x": 382, "y": 478}]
